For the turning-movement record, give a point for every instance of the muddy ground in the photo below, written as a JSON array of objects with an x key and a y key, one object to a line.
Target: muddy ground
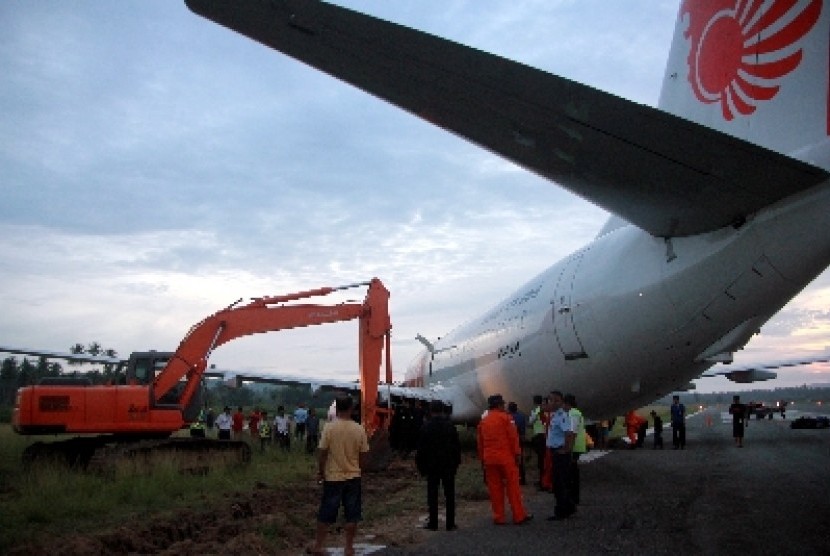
[{"x": 771, "y": 497}]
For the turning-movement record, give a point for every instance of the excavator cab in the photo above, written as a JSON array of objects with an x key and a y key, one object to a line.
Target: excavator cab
[{"x": 144, "y": 366}]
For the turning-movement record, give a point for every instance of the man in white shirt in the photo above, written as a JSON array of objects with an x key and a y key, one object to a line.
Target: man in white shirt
[
  {"x": 223, "y": 423},
  {"x": 282, "y": 429},
  {"x": 560, "y": 443}
]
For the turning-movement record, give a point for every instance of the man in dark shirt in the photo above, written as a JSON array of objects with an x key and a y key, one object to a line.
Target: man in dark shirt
[
  {"x": 438, "y": 458},
  {"x": 521, "y": 427},
  {"x": 678, "y": 423},
  {"x": 658, "y": 430},
  {"x": 738, "y": 412}
]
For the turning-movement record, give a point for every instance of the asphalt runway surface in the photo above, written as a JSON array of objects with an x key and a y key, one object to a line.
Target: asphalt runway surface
[{"x": 770, "y": 497}]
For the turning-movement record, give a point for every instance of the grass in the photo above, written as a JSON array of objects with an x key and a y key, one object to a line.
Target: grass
[{"x": 53, "y": 499}]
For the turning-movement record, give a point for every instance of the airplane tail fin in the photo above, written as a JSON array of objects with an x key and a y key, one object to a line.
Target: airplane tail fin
[{"x": 755, "y": 69}]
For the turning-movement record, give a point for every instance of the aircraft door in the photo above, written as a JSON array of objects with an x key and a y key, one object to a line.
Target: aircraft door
[{"x": 563, "y": 311}]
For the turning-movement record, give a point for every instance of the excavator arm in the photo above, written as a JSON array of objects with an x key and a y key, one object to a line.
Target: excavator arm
[{"x": 267, "y": 314}]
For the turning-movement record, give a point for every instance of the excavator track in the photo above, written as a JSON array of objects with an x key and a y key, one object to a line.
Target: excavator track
[{"x": 106, "y": 455}]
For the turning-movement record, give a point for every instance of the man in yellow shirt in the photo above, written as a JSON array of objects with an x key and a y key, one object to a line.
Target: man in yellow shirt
[{"x": 341, "y": 455}]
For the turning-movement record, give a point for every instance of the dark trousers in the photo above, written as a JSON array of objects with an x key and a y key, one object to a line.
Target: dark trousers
[
  {"x": 522, "y": 479},
  {"x": 561, "y": 482},
  {"x": 678, "y": 435},
  {"x": 658, "y": 439},
  {"x": 538, "y": 442},
  {"x": 446, "y": 479},
  {"x": 311, "y": 441},
  {"x": 264, "y": 442},
  {"x": 573, "y": 478},
  {"x": 641, "y": 434}
]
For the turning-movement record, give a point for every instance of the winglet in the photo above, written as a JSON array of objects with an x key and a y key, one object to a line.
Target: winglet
[{"x": 429, "y": 345}]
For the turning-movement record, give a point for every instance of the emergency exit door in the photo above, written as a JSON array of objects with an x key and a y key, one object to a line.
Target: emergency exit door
[{"x": 564, "y": 309}]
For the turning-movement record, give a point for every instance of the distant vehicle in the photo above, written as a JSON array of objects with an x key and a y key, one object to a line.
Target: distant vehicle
[
  {"x": 808, "y": 422},
  {"x": 759, "y": 410}
]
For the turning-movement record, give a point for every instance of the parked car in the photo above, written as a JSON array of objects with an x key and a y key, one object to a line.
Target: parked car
[{"x": 808, "y": 422}]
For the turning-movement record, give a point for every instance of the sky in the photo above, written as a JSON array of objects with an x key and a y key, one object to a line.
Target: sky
[{"x": 156, "y": 167}]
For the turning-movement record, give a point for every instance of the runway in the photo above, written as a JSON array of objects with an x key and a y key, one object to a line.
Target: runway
[{"x": 770, "y": 497}]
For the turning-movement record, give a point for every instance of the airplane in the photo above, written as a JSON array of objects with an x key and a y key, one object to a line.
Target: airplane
[{"x": 718, "y": 197}]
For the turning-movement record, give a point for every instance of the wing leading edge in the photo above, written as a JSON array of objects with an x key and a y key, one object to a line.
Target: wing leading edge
[{"x": 667, "y": 175}]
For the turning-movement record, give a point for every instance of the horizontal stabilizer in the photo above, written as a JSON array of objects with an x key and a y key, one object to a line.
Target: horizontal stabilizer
[{"x": 665, "y": 174}]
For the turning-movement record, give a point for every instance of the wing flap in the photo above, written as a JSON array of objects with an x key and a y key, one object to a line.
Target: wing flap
[{"x": 664, "y": 174}]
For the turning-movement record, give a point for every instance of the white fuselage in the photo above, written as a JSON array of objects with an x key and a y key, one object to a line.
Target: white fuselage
[{"x": 631, "y": 317}]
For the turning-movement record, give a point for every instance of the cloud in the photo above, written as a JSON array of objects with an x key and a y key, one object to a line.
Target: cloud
[{"x": 157, "y": 167}]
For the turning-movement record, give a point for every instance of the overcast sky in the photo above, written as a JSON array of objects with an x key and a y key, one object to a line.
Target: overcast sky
[{"x": 155, "y": 167}]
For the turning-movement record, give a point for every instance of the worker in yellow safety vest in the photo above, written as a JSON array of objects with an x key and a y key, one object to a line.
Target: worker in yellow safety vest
[
  {"x": 580, "y": 444},
  {"x": 197, "y": 427}
]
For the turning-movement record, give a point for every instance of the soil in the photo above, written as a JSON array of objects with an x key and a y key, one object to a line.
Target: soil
[{"x": 270, "y": 519}]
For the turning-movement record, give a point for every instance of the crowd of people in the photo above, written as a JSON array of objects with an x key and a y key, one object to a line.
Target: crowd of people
[
  {"x": 636, "y": 427},
  {"x": 303, "y": 426},
  {"x": 558, "y": 437},
  {"x": 554, "y": 430}
]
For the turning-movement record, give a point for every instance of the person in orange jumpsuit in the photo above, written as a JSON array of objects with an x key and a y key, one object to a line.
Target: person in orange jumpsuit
[
  {"x": 633, "y": 422},
  {"x": 498, "y": 450}
]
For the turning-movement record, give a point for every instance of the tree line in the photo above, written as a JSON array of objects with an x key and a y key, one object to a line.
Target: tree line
[{"x": 16, "y": 372}]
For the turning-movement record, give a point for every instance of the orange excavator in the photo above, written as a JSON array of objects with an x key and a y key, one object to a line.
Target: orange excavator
[{"x": 162, "y": 392}]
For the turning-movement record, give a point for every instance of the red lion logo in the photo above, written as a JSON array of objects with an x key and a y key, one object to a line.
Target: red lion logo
[{"x": 741, "y": 49}]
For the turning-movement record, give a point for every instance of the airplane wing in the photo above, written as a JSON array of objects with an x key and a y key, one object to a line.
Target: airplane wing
[
  {"x": 394, "y": 392},
  {"x": 236, "y": 379},
  {"x": 66, "y": 356},
  {"x": 763, "y": 371},
  {"x": 667, "y": 175}
]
